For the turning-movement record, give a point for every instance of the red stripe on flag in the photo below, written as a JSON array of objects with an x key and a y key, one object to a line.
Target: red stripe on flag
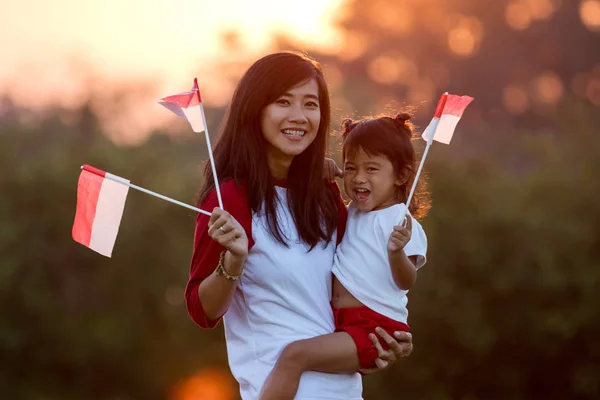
[
  {"x": 88, "y": 191},
  {"x": 185, "y": 99},
  {"x": 94, "y": 170},
  {"x": 456, "y": 105},
  {"x": 197, "y": 90},
  {"x": 440, "y": 105}
]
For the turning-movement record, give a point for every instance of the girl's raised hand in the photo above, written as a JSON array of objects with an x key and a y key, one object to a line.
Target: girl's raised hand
[
  {"x": 228, "y": 232},
  {"x": 400, "y": 236}
]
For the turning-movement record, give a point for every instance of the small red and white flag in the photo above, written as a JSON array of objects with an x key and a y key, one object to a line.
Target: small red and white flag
[
  {"x": 100, "y": 202},
  {"x": 448, "y": 112},
  {"x": 187, "y": 105}
]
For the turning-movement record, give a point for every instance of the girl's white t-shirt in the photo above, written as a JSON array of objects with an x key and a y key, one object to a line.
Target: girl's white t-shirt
[{"x": 361, "y": 260}]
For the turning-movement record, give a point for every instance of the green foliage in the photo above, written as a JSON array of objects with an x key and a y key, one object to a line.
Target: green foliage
[{"x": 76, "y": 324}]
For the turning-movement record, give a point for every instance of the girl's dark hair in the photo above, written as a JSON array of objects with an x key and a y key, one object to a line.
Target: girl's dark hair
[
  {"x": 390, "y": 137},
  {"x": 240, "y": 150}
]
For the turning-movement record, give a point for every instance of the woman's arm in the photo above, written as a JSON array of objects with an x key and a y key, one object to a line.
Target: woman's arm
[
  {"x": 208, "y": 294},
  {"x": 216, "y": 291}
]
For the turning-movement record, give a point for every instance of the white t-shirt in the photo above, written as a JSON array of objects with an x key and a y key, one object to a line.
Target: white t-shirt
[
  {"x": 361, "y": 261},
  {"x": 283, "y": 296}
]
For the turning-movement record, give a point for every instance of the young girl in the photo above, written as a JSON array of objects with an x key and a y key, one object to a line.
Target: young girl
[{"x": 376, "y": 262}]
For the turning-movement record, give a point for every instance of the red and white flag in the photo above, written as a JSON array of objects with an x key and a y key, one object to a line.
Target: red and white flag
[
  {"x": 100, "y": 204},
  {"x": 187, "y": 105},
  {"x": 449, "y": 110}
]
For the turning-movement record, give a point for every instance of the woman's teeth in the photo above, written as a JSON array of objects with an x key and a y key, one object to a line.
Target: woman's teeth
[{"x": 294, "y": 132}]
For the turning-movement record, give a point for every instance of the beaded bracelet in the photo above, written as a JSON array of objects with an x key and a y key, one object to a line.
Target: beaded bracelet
[{"x": 221, "y": 268}]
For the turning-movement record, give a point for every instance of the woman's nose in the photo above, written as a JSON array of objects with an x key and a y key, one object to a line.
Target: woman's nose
[{"x": 297, "y": 115}]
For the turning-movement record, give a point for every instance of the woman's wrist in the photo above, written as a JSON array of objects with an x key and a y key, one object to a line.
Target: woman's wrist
[{"x": 234, "y": 264}]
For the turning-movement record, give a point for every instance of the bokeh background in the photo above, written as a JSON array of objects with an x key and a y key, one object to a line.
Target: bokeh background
[{"x": 507, "y": 306}]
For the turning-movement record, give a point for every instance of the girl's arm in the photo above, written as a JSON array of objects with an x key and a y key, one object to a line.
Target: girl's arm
[{"x": 403, "y": 268}]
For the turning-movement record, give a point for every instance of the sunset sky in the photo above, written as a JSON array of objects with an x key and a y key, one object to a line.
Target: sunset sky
[
  {"x": 52, "y": 50},
  {"x": 58, "y": 52},
  {"x": 166, "y": 41}
]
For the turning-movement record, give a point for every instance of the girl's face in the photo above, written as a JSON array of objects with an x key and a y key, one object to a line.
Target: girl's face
[
  {"x": 291, "y": 122},
  {"x": 370, "y": 181}
]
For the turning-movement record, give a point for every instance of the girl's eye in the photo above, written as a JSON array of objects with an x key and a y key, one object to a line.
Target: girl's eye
[
  {"x": 349, "y": 168},
  {"x": 283, "y": 102},
  {"x": 312, "y": 104}
]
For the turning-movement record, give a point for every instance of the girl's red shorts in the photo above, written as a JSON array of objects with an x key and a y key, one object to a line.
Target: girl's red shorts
[{"x": 359, "y": 322}]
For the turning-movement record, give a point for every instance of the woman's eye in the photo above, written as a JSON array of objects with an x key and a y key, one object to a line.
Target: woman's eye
[
  {"x": 283, "y": 102},
  {"x": 371, "y": 169},
  {"x": 312, "y": 104}
]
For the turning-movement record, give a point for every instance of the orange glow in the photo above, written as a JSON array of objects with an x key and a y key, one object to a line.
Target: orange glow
[
  {"x": 64, "y": 53},
  {"x": 518, "y": 15},
  {"x": 461, "y": 41},
  {"x": 515, "y": 99},
  {"x": 390, "y": 16},
  {"x": 393, "y": 68},
  {"x": 589, "y": 12},
  {"x": 168, "y": 41},
  {"x": 384, "y": 70},
  {"x": 354, "y": 46},
  {"x": 208, "y": 384},
  {"x": 540, "y": 9},
  {"x": 547, "y": 88},
  {"x": 464, "y": 34}
]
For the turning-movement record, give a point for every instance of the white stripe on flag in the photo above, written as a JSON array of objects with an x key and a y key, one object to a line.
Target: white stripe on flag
[
  {"x": 194, "y": 116},
  {"x": 430, "y": 130},
  {"x": 109, "y": 210},
  {"x": 445, "y": 128}
]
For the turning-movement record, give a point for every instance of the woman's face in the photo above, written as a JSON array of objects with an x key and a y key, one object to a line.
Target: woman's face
[{"x": 291, "y": 122}]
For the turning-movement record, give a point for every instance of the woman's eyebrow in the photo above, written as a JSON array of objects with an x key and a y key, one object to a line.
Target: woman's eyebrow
[{"x": 309, "y": 96}]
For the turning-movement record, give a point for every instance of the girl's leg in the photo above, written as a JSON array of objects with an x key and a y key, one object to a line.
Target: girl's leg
[{"x": 335, "y": 353}]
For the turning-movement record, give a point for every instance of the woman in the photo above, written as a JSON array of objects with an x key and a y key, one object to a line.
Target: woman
[{"x": 264, "y": 262}]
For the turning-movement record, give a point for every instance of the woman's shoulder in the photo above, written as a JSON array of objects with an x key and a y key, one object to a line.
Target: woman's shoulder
[{"x": 233, "y": 194}]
